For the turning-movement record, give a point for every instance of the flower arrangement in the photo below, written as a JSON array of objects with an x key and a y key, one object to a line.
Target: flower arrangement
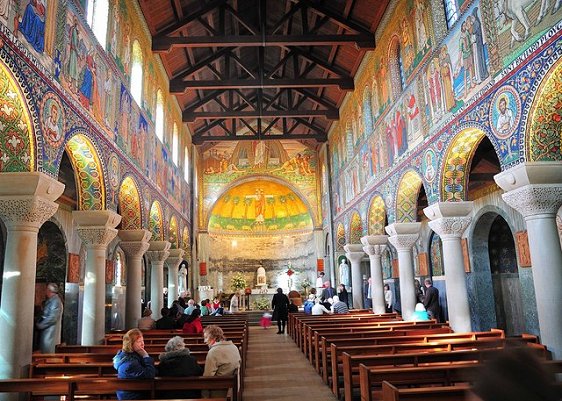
[
  {"x": 261, "y": 304},
  {"x": 306, "y": 283},
  {"x": 238, "y": 282}
]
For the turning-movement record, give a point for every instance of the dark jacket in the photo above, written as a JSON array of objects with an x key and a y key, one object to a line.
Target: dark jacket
[
  {"x": 344, "y": 296},
  {"x": 327, "y": 293},
  {"x": 165, "y": 323},
  {"x": 431, "y": 302},
  {"x": 130, "y": 365},
  {"x": 179, "y": 364},
  {"x": 280, "y": 306}
]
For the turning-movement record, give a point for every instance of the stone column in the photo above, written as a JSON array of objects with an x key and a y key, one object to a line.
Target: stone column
[
  {"x": 96, "y": 228},
  {"x": 157, "y": 253},
  {"x": 450, "y": 220},
  {"x": 403, "y": 236},
  {"x": 173, "y": 261},
  {"x": 134, "y": 243},
  {"x": 354, "y": 252},
  {"x": 374, "y": 245},
  {"x": 535, "y": 191},
  {"x": 26, "y": 202}
]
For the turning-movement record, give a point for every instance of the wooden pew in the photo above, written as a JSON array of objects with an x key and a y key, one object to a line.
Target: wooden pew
[{"x": 444, "y": 393}]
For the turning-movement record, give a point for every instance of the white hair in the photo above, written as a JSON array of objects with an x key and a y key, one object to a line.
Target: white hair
[
  {"x": 420, "y": 307},
  {"x": 174, "y": 344},
  {"x": 335, "y": 298},
  {"x": 53, "y": 288}
]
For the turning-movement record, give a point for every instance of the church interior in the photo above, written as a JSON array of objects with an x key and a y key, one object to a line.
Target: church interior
[{"x": 183, "y": 148}]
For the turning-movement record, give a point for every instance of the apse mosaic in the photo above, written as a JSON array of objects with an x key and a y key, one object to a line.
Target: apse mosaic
[
  {"x": 377, "y": 216},
  {"x": 287, "y": 160},
  {"x": 544, "y": 133},
  {"x": 407, "y": 197},
  {"x": 129, "y": 205},
  {"x": 88, "y": 173},
  {"x": 457, "y": 162},
  {"x": 260, "y": 207},
  {"x": 17, "y": 143}
]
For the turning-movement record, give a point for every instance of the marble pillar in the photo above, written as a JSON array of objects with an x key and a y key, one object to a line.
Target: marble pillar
[
  {"x": 173, "y": 262},
  {"x": 157, "y": 253},
  {"x": 26, "y": 202},
  {"x": 354, "y": 252},
  {"x": 450, "y": 220},
  {"x": 96, "y": 229},
  {"x": 403, "y": 236},
  {"x": 534, "y": 189},
  {"x": 374, "y": 245},
  {"x": 134, "y": 244}
]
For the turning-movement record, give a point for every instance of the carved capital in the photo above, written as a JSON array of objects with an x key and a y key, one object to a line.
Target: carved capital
[
  {"x": 26, "y": 211},
  {"x": 531, "y": 200},
  {"x": 134, "y": 249},
  {"x": 450, "y": 226},
  {"x": 355, "y": 257},
  {"x": 96, "y": 236},
  {"x": 374, "y": 240},
  {"x": 158, "y": 251},
  {"x": 173, "y": 262},
  {"x": 403, "y": 242},
  {"x": 374, "y": 250}
]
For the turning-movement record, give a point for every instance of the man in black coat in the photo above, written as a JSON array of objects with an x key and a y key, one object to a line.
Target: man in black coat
[
  {"x": 431, "y": 300},
  {"x": 280, "y": 306}
]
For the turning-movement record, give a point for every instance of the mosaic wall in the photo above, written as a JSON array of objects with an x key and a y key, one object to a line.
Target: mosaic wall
[
  {"x": 476, "y": 81},
  {"x": 66, "y": 84}
]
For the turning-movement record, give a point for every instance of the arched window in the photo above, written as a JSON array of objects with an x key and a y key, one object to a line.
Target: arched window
[
  {"x": 97, "y": 15},
  {"x": 159, "y": 116},
  {"x": 186, "y": 164},
  {"x": 175, "y": 145},
  {"x": 136, "y": 73},
  {"x": 397, "y": 78},
  {"x": 451, "y": 12}
]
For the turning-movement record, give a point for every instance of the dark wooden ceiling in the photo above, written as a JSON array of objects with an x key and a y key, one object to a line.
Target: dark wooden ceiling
[{"x": 259, "y": 69}]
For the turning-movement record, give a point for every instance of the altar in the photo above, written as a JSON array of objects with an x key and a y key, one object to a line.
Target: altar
[{"x": 260, "y": 293}]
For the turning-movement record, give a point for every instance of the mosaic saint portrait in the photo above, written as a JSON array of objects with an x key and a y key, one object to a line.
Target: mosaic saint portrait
[
  {"x": 113, "y": 169},
  {"x": 52, "y": 119},
  {"x": 505, "y": 112},
  {"x": 429, "y": 165}
]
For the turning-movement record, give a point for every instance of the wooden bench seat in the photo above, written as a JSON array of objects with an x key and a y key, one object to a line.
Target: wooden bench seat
[{"x": 444, "y": 393}]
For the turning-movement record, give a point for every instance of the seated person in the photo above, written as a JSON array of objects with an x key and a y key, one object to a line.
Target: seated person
[
  {"x": 133, "y": 362},
  {"x": 319, "y": 308},
  {"x": 166, "y": 322},
  {"x": 219, "y": 311},
  {"x": 420, "y": 314},
  {"x": 205, "y": 310},
  {"x": 193, "y": 324},
  {"x": 309, "y": 303},
  {"x": 338, "y": 307},
  {"x": 190, "y": 307},
  {"x": 177, "y": 361},
  {"x": 146, "y": 322},
  {"x": 223, "y": 358}
]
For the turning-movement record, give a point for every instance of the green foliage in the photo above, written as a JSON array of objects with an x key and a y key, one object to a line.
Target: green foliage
[
  {"x": 238, "y": 282},
  {"x": 261, "y": 304}
]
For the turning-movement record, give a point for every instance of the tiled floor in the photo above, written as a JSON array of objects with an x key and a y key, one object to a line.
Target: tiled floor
[{"x": 277, "y": 370}]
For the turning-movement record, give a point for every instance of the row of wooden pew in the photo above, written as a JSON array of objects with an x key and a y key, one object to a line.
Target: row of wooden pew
[
  {"x": 375, "y": 357},
  {"x": 82, "y": 372}
]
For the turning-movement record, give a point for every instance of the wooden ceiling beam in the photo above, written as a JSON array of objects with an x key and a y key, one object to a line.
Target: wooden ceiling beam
[
  {"x": 201, "y": 64},
  {"x": 184, "y": 22},
  {"x": 192, "y": 116},
  {"x": 198, "y": 140},
  {"x": 164, "y": 44},
  {"x": 179, "y": 87},
  {"x": 338, "y": 19}
]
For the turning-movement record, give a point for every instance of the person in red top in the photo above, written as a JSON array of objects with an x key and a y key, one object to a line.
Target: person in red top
[{"x": 193, "y": 324}]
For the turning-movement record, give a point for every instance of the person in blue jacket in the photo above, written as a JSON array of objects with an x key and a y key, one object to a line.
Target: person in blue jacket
[{"x": 133, "y": 362}]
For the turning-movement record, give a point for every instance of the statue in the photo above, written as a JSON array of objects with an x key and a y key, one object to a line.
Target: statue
[
  {"x": 262, "y": 280},
  {"x": 344, "y": 273}
]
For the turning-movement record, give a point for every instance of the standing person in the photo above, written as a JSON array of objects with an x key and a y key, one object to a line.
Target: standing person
[
  {"x": 280, "y": 306},
  {"x": 431, "y": 300},
  {"x": 193, "y": 323},
  {"x": 223, "y": 358},
  {"x": 178, "y": 362},
  {"x": 343, "y": 294},
  {"x": 387, "y": 298},
  {"x": 367, "y": 297},
  {"x": 133, "y": 362},
  {"x": 234, "y": 303},
  {"x": 320, "y": 282},
  {"x": 419, "y": 291},
  {"x": 51, "y": 320}
]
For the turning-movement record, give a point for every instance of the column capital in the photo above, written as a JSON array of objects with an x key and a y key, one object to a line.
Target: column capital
[
  {"x": 158, "y": 251},
  {"x": 27, "y": 199},
  {"x": 354, "y": 252},
  {"x": 374, "y": 250},
  {"x": 134, "y": 242},
  {"x": 530, "y": 173},
  {"x": 535, "y": 199},
  {"x": 403, "y": 236},
  {"x": 175, "y": 257},
  {"x": 374, "y": 240},
  {"x": 449, "y": 219},
  {"x": 96, "y": 228}
]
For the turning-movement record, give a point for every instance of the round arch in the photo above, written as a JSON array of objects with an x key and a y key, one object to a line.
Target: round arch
[
  {"x": 355, "y": 228},
  {"x": 173, "y": 233},
  {"x": 252, "y": 178},
  {"x": 130, "y": 205},
  {"x": 376, "y": 216},
  {"x": 17, "y": 143},
  {"x": 340, "y": 237},
  {"x": 155, "y": 222},
  {"x": 88, "y": 172},
  {"x": 543, "y": 138},
  {"x": 407, "y": 196}
]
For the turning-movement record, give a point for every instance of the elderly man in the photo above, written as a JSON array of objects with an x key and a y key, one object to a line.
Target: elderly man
[
  {"x": 339, "y": 307},
  {"x": 223, "y": 358},
  {"x": 50, "y": 322}
]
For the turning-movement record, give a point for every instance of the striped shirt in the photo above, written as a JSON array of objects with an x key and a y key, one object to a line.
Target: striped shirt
[{"x": 339, "y": 308}]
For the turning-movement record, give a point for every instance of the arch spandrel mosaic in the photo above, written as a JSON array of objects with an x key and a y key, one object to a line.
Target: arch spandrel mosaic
[
  {"x": 129, "y": 205},
  {"x": 156, "y": 223}
]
